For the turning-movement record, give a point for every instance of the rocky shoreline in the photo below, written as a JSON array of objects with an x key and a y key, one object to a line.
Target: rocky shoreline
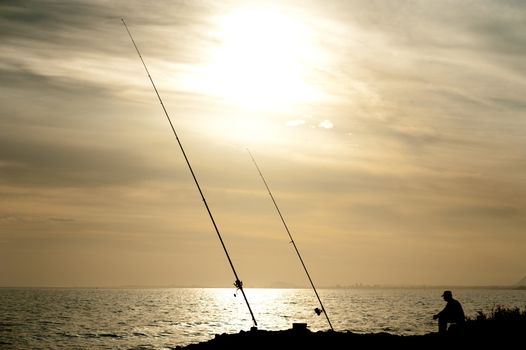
[{"x": 304, "y": 338}]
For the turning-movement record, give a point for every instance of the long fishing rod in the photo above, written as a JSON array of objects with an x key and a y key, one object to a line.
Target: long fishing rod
[
  {"x": 318, "y": 311},
  {"x": 238, "y": 284}
]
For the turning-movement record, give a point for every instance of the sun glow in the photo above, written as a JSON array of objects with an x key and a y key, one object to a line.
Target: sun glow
[{"x": 262, "y": 61}]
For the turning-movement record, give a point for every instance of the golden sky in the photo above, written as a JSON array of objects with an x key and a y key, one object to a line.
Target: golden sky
[{"x": 391, "y": 133}]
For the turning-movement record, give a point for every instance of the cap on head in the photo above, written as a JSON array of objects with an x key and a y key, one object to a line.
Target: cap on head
[{"x": 447, "y": 293}]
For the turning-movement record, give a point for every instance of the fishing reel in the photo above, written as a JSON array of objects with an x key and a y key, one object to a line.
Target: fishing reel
[{"x": 239, "y": 285}]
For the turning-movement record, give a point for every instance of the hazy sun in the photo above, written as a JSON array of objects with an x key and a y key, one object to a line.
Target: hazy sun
[{"x": 262, "y": 61}]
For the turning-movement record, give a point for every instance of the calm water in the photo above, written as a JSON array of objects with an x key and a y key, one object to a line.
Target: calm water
[{"x": 165, "y": 318}]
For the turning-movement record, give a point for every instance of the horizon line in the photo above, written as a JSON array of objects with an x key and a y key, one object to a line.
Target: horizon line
[{"x": 350, "y": 286}]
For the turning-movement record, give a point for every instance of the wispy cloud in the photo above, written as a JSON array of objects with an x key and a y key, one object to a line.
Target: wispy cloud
[
  {"x": 295, "y": 122},
  {"x": 326, "y": 124}
]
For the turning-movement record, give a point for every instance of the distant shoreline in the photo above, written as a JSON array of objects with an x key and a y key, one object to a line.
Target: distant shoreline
[{"x": 259, "y": 287}]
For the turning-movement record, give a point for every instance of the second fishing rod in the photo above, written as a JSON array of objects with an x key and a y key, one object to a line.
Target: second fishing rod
[{"x": 318, "y": 311}]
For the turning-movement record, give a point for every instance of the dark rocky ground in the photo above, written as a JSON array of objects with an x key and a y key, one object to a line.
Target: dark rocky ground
[
  {"x": 298, "y": 339},
  {"x": 502, "y": 328}
]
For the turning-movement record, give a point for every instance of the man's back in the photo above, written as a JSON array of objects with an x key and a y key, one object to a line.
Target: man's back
[{"x": 453, "y": 311}]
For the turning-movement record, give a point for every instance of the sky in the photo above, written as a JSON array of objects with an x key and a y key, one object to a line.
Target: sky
[{"x": 392, "y": 135}]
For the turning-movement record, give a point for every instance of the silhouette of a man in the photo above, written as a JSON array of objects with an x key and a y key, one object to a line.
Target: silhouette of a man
[{"x": 452, "y": 312}]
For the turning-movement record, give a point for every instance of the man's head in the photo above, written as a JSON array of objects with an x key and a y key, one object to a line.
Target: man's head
[{"x": 447, "y": 295}]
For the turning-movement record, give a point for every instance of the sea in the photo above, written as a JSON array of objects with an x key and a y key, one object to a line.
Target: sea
[{"x": 164, "y": 318}]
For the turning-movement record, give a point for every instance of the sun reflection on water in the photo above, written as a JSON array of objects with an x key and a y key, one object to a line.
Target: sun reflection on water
[{"x": 274, "y": 309}]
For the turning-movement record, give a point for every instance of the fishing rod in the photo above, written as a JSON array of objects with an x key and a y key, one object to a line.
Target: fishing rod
[
  {"x": 318, "y": 311},
  {"x": 238, "y": 284}
]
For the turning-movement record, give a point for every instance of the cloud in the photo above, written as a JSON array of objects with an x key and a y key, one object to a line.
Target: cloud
[
  {"x": 62, "y": 163},
  {"x": 295, "y": 122},
  {"x": 326, "y": 124}
]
